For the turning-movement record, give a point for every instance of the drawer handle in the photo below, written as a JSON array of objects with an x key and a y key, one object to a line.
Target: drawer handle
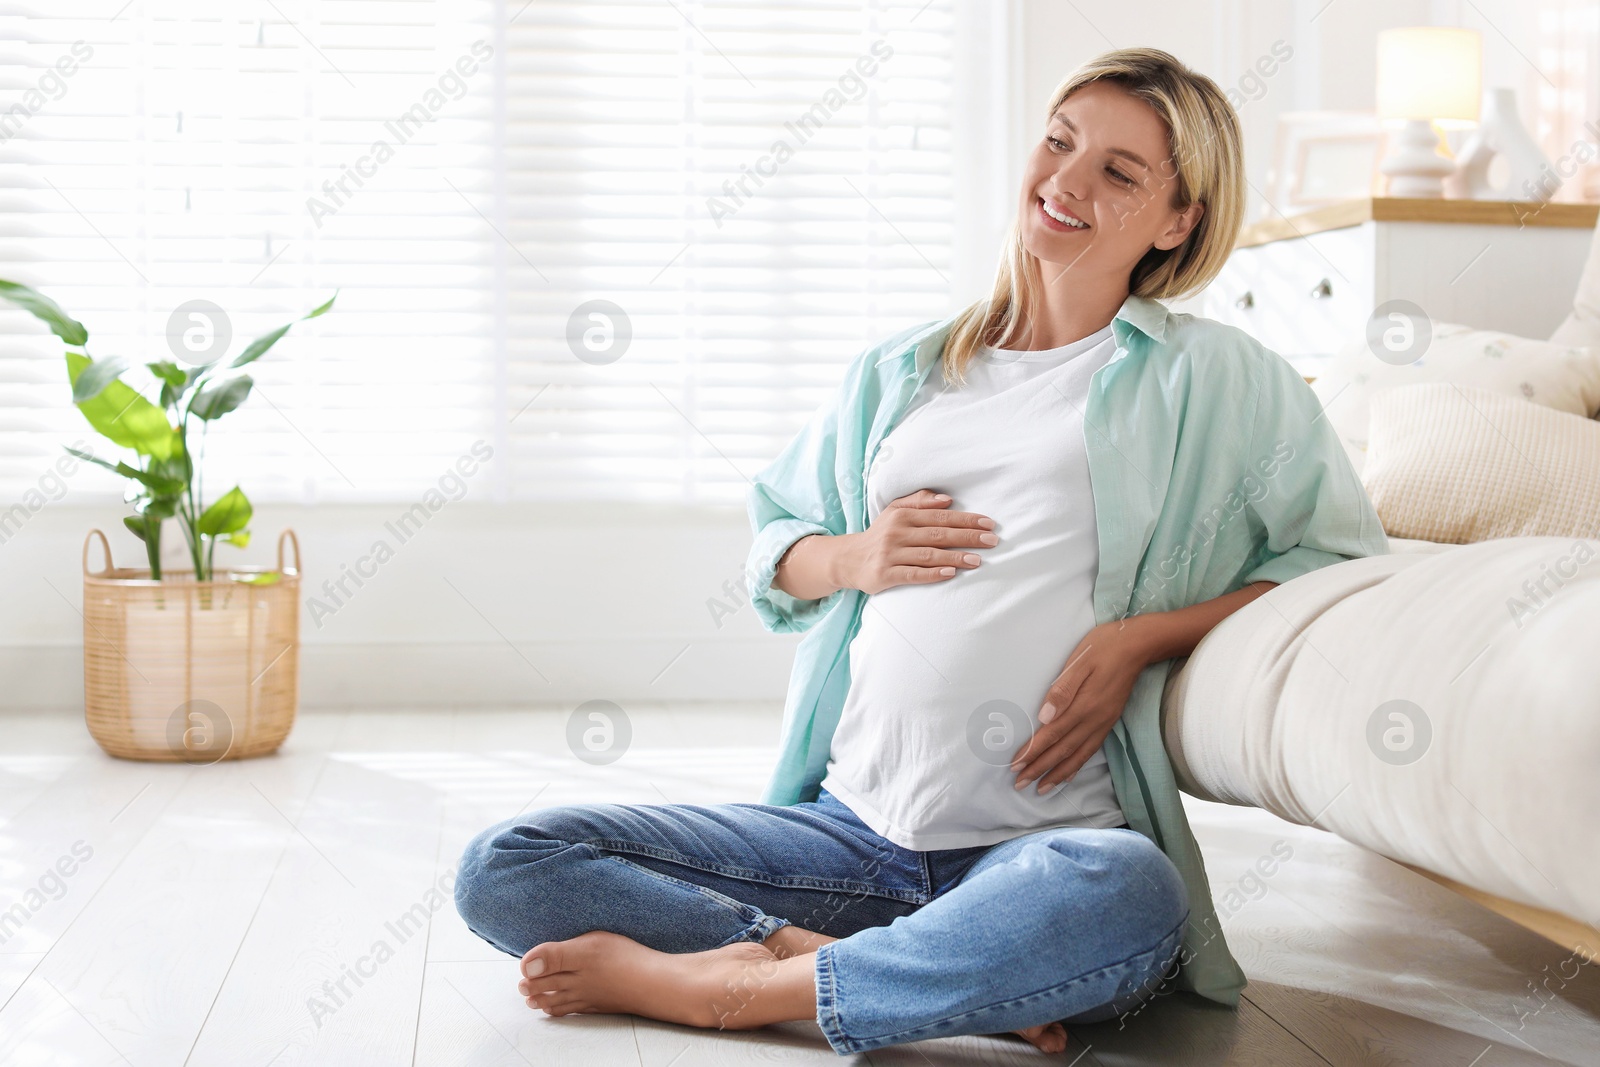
[
  {"x": 1245, "y": 302},
  {"x": 1322, "y": 290}
]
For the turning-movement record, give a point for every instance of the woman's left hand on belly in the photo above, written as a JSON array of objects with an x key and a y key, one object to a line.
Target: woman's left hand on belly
[{"x": 1082, "y": 704}]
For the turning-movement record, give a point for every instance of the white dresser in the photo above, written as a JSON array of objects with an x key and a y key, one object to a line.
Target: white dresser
[{"x": 1305, "y": 286}]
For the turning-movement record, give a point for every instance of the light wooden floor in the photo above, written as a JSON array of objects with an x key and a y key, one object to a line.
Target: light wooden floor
[{"x": 218, "y": 900}]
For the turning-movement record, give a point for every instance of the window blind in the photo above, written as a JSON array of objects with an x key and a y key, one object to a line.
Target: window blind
[
  {"x": 763, "y": 189},
  {"x": 630, "y": 246}
]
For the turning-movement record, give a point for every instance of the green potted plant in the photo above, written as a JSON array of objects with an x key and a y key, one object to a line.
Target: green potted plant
[{"x": 189, "y": 665}]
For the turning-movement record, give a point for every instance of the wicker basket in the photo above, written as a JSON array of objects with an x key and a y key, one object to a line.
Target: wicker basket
[{"x": 180, "y": 670}]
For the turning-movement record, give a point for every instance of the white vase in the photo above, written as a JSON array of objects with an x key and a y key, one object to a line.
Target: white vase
[{"x": 1500, "y": 133}]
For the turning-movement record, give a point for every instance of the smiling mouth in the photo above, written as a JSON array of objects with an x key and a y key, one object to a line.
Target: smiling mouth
[{"x": 1062, "y": 220}]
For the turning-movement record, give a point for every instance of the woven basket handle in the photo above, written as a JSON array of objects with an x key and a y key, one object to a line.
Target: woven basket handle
[
  {"x": 288, "y": 535},
  {"x": 105, "y": 545}
]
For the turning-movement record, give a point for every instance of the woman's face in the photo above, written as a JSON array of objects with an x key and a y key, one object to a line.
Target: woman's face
[{"x": 1104, "y": 164}]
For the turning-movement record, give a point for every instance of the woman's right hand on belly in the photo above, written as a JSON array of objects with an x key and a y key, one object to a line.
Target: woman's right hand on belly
[{"x": 915, "y": 540}]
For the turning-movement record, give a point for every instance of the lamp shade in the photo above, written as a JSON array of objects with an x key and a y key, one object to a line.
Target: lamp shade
[{"x": 1430, "y": 72}]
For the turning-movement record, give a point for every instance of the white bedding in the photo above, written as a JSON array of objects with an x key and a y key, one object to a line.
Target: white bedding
[
  {"x": 1275, "y": 709},
  {"x": 1406, "y": 544}
]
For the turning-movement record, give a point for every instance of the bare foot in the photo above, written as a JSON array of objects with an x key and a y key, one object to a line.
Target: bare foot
[
  {"x": 1046, "y": 1037},
  {"x": 739, "y": 987}
]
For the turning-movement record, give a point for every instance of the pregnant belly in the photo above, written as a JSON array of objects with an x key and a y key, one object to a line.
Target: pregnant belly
[
  {"x": 946, "y": 680},
  {"x": 1002, "y": 631}
]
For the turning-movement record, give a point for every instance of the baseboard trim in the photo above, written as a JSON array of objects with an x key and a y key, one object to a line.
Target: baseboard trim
[{"x": 474, "y": 674}]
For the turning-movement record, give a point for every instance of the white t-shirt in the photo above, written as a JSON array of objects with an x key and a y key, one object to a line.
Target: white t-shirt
[{"x": 946, "y": 679}]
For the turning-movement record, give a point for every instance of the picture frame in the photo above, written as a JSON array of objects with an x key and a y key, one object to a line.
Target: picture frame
[{"x": 1324, "y": 157}]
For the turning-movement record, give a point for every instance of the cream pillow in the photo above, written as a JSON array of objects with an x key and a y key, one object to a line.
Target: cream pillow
[
  {"x": 1563, "y": 377},
  {"x": 1457, "y": 464}
]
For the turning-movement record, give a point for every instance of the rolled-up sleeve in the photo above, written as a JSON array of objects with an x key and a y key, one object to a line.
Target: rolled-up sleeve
[
  {"x": 797, "y": 494},
  {"x": 1315, "y": 511}
]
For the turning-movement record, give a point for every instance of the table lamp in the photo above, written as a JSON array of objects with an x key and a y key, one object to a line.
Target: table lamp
[{"x": 1426, "y": 75}]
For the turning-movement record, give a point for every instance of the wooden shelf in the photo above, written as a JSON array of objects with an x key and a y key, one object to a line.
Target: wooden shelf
[{"x": 1418, "y": 209}]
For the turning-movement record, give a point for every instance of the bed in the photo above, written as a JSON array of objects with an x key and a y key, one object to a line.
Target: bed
[
  {"x": 1428, "y": 705},
  {"x": 1439, "y": 705}
]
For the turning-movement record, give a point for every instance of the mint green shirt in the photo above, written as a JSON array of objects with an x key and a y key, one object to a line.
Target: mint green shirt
[{"x": 1211, "y": 467}]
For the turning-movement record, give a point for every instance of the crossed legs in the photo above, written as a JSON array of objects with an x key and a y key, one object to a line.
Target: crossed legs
[{"x": 714, "y": 916}]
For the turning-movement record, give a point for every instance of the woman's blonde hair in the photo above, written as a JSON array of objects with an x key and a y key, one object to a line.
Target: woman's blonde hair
[{"x": 1207, "y": 152}]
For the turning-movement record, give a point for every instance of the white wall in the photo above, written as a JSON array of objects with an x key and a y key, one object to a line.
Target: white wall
[{"x": 554, "y": 605}]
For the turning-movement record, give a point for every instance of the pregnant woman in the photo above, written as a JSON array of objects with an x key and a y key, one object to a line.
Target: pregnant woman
[{"x": 973, "y": 826}]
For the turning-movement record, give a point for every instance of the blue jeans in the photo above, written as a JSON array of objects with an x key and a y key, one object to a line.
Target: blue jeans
[{"x": 1068, "y": 924}]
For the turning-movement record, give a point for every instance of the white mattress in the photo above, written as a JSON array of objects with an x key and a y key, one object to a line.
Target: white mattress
[
  {"x": 1274, "y": 707},
  {"x": 1406, "y": 544}
]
